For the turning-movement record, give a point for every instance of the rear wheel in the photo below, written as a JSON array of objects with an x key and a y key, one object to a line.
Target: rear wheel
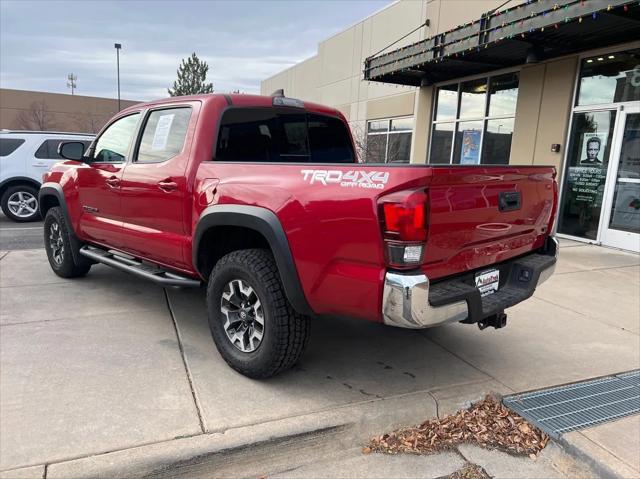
[
  {"x": 255, "y": 329},
  {"x": 20, "y": 203},
  {"x": 57, "y": 243}
]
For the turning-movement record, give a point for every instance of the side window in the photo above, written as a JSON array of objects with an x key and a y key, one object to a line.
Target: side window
[
  {"x": 9, "y": 145},
  {"x": 163, "y": 135},
  {"x": 49, "y": 149},
  {"x": 113, "y": 144},
  {"x": 329, "y": 140},
  {"x": 248, "y": 134},
  {"x": 43, "y": 150}
]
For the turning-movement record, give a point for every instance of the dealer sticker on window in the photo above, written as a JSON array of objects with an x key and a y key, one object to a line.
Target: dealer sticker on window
[{"x": 487, "y": 282}]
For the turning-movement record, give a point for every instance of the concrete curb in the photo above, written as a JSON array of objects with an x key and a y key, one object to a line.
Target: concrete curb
[
  {"x": 300, "y": 439},
  {"x": 601, "y": 462}
]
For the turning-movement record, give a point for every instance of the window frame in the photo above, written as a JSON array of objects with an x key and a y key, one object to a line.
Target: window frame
[
  {"x": 143, "y": 124},
  {"x": 136, "y": 132},
  {"x": 389, "y": 132},
  {"x": 457, "y": 120},
  {"x": 305, "y": 111}
]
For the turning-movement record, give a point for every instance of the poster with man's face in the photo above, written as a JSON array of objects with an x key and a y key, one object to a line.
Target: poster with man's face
[{"x": 592, "y": 149}]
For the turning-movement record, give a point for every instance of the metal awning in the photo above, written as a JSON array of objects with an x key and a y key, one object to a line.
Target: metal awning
[{"x": 527, "y": 33}]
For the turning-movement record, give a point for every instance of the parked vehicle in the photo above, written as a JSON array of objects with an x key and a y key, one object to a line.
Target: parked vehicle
[
  {"x": 261, "y": 198},
  {"x": 24, "y": 157}
]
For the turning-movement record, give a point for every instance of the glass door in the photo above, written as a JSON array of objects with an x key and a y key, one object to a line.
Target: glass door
[{"x": 621, "y": 221}]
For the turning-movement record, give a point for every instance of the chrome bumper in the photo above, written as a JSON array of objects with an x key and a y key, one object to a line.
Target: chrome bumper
[{"x": 405, "y": 300}]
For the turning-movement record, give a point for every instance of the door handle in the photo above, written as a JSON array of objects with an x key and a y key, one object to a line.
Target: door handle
[
  {"x": 167, "y": 186},
  {"x": 113, "y": 182}
]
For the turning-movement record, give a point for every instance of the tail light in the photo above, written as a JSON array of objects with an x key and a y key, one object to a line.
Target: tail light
[{"x": 404, "y": 227}]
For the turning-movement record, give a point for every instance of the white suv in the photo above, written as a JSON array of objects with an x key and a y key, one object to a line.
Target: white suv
[{"x": 24, "y": 157}]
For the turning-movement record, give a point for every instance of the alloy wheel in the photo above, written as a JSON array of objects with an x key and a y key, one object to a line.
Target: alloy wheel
[
  {"x": 23, "y": 204},
  {"x": 244, "y": 316},
  {"x": 56, "y": 243}
]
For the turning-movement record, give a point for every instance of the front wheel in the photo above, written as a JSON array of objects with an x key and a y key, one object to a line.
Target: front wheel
[
  {"x": 255, "y": 329},
  {"x": 57, "y": 243}
]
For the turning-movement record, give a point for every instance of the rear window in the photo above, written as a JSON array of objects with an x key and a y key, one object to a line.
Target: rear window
[
  {"x": 277, "y": 135},
  {"x": 49, "y": 148},
  {"x": 9, "y": 145}
]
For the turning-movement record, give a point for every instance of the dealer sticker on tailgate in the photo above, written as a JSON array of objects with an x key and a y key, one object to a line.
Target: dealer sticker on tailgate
[{"x": 487, "y": 282}]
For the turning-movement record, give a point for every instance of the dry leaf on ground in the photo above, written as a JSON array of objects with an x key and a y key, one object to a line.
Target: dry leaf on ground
[{"x": 487, "y": 423}]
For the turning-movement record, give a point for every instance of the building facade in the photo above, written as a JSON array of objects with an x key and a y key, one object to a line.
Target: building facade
[
  {"x": 42, "y": 111},
  {"x": 538, "y": 82}
]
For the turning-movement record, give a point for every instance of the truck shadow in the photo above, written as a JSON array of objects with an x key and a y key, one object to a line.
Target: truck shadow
[{"x": 347, "y": 361}]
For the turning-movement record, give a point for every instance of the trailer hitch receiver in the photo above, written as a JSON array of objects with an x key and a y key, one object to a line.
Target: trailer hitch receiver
[{"x": 498, "y": 320}]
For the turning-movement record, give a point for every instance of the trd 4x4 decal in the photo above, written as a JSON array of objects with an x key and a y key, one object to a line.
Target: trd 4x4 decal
[{"x": 347, "y": 179}]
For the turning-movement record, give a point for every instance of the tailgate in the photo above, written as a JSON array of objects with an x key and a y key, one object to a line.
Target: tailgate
[{"x": 480, "y": 216}]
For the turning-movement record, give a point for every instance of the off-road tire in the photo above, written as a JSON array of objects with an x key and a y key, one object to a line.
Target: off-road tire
[
  {"x": 66, "y": 267},
  {"x": 11, "y": 191},
  {"x": 285, "y": 333}
]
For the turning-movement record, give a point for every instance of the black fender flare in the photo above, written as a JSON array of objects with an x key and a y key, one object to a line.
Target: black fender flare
[
  {"x": 55, "y": 190},
  {"x": 265, "y": 222},
  {"x": 19, "y": 179}
]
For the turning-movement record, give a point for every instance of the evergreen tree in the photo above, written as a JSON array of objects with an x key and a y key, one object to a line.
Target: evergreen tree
[{"x": 192, "y": 77}]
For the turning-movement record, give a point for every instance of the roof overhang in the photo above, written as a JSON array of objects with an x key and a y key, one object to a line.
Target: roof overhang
[{"x": 527, "y": 33}]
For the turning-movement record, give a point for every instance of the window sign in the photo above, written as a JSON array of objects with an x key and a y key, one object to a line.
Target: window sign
[
  {"x": 162, "y": 132},
  {"x": 470, "y": 154},
  {"x": 587, "y": 163}
]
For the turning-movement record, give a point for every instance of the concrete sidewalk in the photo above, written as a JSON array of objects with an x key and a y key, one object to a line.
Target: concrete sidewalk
[{"x": 100, "y": 372}]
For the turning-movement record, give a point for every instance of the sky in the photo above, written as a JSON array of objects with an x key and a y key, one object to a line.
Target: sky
[{"x": 243, "y": 42}]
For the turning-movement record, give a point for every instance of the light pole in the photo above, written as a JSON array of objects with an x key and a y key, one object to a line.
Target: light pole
[
  {"x": 71, "y": 82},
  {"x": 118, "y": 46}
]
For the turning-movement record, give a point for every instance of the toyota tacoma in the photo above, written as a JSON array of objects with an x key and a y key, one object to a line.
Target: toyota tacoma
[{"x": 262, "y": 199}]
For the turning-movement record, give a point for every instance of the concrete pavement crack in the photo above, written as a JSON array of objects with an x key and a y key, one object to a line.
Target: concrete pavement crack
[
  {"x": 435, "y": 400},
  {"x": 196, "y": 402}
]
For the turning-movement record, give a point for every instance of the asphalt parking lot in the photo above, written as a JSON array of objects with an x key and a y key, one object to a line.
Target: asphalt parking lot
[
  {"x": 15, "y": 236},
  {"x": 94, "y": 367}
]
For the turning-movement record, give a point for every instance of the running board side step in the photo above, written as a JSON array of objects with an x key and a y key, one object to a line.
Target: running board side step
[{"x": 131, "y": 265}]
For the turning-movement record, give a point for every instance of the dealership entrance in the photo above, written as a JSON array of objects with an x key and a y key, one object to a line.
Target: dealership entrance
[{"x": 600, "y": 199}]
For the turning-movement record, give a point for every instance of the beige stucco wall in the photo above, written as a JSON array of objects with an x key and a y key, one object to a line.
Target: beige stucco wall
[
  {"x": 543, "y": 112},
  {"x": 73, "y": 113}
]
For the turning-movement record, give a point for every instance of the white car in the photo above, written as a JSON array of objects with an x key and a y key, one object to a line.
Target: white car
[{"x": 24, "y": 157}]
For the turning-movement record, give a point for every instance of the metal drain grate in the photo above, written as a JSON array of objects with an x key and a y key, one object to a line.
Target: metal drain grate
[{"x": 579, "y": 405}]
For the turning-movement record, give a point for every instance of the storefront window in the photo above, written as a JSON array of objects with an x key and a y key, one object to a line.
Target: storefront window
[
  {"x": 447, "y": 103},
  {"x": 482, "y": 114},
  {"x": 497, "y": 140},
  {"x": 610, "y": 78},
  {"x": 586, "y": 172},
  {"x": 389, "y": 141},
  {"x": 441, "y": 141},
  {"x": 504, "y": 95}
]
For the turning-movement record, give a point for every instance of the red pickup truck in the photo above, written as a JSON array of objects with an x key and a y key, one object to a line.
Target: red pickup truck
[{"x": 262, "y": 199}]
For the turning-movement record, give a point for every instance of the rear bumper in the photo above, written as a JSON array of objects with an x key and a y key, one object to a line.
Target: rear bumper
[{"x": 410, "y": 301}]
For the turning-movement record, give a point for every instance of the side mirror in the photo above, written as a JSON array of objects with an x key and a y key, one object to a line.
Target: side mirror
[{"x": 71, "y": 150}]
